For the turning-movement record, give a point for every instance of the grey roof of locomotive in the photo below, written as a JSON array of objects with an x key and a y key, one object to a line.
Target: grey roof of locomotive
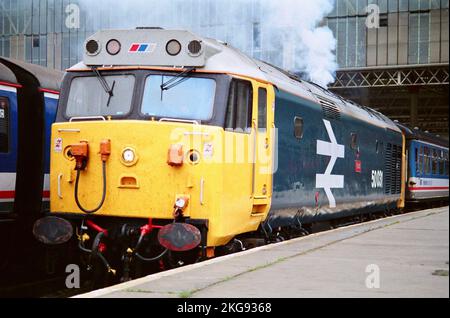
[{"x": 218, "y": 57}]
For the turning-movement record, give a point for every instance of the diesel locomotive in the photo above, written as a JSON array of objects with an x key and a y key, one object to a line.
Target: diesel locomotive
[{"x": 169, "y": 146}]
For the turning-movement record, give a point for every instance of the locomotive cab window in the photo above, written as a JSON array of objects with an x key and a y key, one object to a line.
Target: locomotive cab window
[
  {"x": 105, "y": 95},
  {"x": 298, "y": 127},
  {"x": 4, "y": 125},
  {"x": 240, "y": 107},
  {"x": 190, "y": 98}
]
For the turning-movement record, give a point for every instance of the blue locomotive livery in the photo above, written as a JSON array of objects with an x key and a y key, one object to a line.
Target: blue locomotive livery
[{"x": 335, "y": 159}]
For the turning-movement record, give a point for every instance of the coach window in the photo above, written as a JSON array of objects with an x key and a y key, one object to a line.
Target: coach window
[
  {"x": 4, "y": 125},
  {"x": 441, "y": 163},
  {"x": 426, "y": 161},
  {"x": 446, "y": 163},
  {"x": 417, "y": 160},
  {"x": 435, "y": 162},
  {"x": 420, "y": 162},
  {"x": 240, "y": 107}
]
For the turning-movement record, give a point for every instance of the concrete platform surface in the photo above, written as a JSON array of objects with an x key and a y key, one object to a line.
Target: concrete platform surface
[{"x": 401, "y": 256}]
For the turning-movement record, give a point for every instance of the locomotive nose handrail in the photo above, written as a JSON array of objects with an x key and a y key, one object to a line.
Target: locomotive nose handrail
[
  {"x": 180, "y": 121},
  {"x": 59, "y": 186}
]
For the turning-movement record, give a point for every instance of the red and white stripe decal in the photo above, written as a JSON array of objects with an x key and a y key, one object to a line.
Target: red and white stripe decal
[
  {"x": 4, "y": 195},
  {"x": 8, "y": 186},
  {"x": 48, "y": 93},
  {"x": 10, "y": 195},
  {"x": 428, "y": 184},
  {"x": 10, "y": 84},
  {"x": 427, "y": 188},
  {"x": 8, "y": 87}
]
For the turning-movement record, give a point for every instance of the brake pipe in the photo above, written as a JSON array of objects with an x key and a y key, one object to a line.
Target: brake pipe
[
  {"x": 149, "y": 227},
  {"x": 96, "y": 227},
  {"x": 145, "y": 230}
]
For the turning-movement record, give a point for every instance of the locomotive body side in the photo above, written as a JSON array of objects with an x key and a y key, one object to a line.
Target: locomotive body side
[{"x": 341, "y": 166}]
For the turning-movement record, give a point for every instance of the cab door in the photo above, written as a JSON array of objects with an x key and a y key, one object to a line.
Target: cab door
[
  {"x": 263, "y": 134},
  {"x": 8, "y": 150}
]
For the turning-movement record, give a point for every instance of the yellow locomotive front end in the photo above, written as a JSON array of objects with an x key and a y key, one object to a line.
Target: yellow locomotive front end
[
  {"x": 151, "y": 167},
  {"x": 155, "y": 157}
]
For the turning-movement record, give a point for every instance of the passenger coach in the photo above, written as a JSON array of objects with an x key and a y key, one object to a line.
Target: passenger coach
[{"x": 427, "y": 166}]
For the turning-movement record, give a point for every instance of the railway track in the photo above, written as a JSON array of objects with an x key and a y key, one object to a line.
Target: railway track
[{"x": 55, "y": 287}]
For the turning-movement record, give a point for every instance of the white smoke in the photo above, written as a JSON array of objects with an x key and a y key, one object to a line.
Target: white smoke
[
  {"x": 288, "y": 32},
  {"x": 308, "y": 47}
]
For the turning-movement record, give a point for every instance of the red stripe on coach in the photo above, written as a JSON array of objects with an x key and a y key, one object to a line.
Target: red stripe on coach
[{"x": 428, "y": 188}]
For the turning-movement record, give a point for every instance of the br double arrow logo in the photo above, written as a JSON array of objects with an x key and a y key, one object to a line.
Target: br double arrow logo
[{"x": 334, "y": 150}]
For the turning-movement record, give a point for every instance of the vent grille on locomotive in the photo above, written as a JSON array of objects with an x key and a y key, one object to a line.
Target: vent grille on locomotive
[
  {"x": 330, "y": 109},
  {"x": 393, "y": 173}
]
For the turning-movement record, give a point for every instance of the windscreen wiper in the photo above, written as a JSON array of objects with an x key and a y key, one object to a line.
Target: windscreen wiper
[
  {"x": 178, "y": 79},
  {"x": 104, "y": 83}
]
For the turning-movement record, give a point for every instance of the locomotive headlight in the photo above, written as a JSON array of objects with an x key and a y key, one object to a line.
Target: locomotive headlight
[
  {"x": 129, "y": 157},
  {"x": 173, "y": 47},
  {"x": 113, "y": 47}
]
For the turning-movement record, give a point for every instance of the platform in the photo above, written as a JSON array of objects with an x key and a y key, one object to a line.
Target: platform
[{"x": 410, "y": 252}]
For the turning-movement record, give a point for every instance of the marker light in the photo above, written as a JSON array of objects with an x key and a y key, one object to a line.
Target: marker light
[
  {"x": 92, "y": 47},
  {"x": 173, "y": 47},
  {"x": 113, "y": 47},
  {"x": 180, "y": 203}
]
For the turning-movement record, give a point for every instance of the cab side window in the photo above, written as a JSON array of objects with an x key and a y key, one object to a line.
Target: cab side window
[
  {"x": 262, "y": 109},
  {"x": 240, "y": 107},
  {"x": 4, "y": 125}
]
